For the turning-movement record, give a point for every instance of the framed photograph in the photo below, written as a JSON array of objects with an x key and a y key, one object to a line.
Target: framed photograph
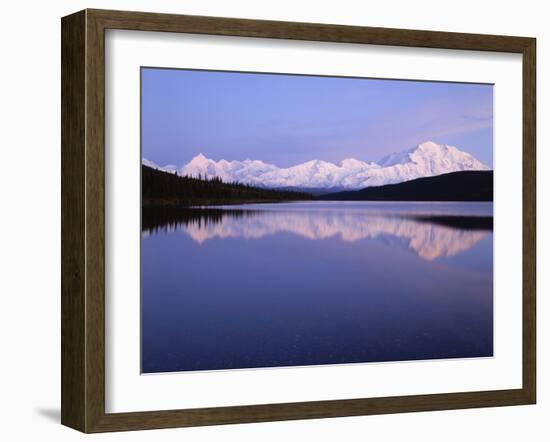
[{"x": 267, "y": 220}]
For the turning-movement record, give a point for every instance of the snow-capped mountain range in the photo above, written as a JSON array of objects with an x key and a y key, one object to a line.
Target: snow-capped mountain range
[{"x": 426, "y": 159}]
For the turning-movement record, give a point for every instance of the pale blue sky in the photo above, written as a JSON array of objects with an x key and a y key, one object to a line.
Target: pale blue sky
[{"x": 289, "y": 119}]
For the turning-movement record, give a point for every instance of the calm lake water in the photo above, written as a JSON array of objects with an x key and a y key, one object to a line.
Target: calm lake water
[{"x": 315, "y": 283}]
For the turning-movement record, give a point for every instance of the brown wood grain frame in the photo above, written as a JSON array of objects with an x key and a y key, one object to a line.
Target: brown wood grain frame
[{"x": 83, "y": 220}]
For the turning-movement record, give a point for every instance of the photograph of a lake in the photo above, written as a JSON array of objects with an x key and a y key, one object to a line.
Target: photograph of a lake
[
  {"x": 306, "y": 283},
  {"x": 304, "y": 220}
]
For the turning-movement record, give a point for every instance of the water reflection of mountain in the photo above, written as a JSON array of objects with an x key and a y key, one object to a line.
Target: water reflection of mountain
[{"x": 430, "y": 237}]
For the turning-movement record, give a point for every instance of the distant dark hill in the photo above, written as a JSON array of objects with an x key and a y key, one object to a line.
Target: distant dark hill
[
  {"x": 455, "y": 186},
  {"x": 165, "y": 189}
]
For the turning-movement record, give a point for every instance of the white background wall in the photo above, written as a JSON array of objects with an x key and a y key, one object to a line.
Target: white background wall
[{"x": 30, "y": 216}]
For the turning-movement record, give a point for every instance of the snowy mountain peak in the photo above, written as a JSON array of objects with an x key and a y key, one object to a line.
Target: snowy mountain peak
[
  {"x": 421, "y": 150},
  {"x": 428, "y": 146},
  {"x": 426, "y": 159},
  {"x": 433, "y": 149},
  {"x": 352, "y": 163},
  {"x": 199, "y": 159}
]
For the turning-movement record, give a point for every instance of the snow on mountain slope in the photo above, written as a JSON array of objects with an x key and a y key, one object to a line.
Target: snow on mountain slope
[
  {"x": 229, "y": 171},
  {"x": 426, "y": 159},
  {"x": 169, "y": 168}
]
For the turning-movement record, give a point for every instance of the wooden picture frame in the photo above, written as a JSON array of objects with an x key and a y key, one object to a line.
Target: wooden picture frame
[{"x": 83, "y": 220}]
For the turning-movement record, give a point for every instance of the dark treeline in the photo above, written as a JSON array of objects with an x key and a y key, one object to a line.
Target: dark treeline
[
  {"x": 455, "y": 186},
  {"x": 168, "y": 218},
  {"x": 463, "y": 222},
  {"x": 160, "y": 188}
]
